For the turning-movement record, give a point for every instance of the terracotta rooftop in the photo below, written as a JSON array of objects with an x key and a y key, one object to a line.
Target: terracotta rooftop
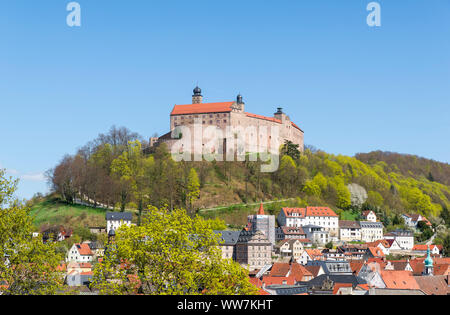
[
  {"x": 280, "y": 270},
  {"x": 349, "y": 224},
  {"x": 385, "y": 243},
  {"x": 356, "y": 266},
  {"x": 432, "y": 285},
  {"x": 289, "y": 273},
  {"x": 314, "y": 270},
  {"x": 293, "y": 230},
  {"x": 263, "y": 117},
  {"x": 314, "y": 253},
  {"x": 425, "y": 247},
  {"x": 309, "y": 212},
  {"x": 398, "y": 264},
  {"x": 399, "y": 279},
  {"x": 376, "y": 252},
  {"x": 84, "y": 249},
  {"x": 203, "y": 108},
  {"x": 337, "y": 286}
]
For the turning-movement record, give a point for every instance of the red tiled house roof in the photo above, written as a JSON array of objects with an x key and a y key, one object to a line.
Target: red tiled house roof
[
  {"x": 337, "y": 286},
  {"x": 399, "y": 279},
  {"x": 84, "y": 249},
  {"x": 310, "y": 212}
]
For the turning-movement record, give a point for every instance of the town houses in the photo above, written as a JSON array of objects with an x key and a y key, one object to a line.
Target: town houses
[
  {"x": 404, "y": 238},
  {"x": 412, "y": 220},
  {"x": 306, "y": 251},
  {"x": 306, "y": 258}
]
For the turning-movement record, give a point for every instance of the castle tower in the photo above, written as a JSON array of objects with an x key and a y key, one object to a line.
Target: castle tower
[
  {"x": 280, "y": 115},
  {"x": 197, "y": 98},
  {"x": 238, "y": 105},
  {"x": 428, "y": 269}
]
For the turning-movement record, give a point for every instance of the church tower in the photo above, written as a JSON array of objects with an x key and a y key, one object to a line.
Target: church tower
[
  {"x": 197, "y": 98},
  {"x": 428, "y": 269}
]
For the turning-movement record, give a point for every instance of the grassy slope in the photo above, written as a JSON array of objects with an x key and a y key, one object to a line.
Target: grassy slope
[{"x": 53, "y": 211}]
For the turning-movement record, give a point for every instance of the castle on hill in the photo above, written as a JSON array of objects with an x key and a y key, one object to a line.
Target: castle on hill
[{"x": 231, "y": 115}]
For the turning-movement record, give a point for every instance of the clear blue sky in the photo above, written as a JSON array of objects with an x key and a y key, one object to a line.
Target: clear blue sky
[{"x": 351, "y": 88}]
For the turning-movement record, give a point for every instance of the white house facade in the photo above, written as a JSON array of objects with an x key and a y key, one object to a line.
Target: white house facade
[
  {"x": 369, "y": 216},
  {"x": 80, "y": 253},
  {"x": 371, "y": 231},
  {"x": 349, "y": 231},
  {"x": 405, "y": 239},
  {"x": 114, "y": 220},
  {"x": 319, "y": 216}
]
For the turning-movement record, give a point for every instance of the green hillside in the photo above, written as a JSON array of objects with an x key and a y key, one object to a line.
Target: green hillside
[
  {"x": 52, "y": 210},
  {"x": 120, "y": 172}
]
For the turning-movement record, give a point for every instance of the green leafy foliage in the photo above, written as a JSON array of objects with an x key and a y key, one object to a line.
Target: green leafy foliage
[
  {"x": 123, "y": 172},
  {"x": 27, "y": 265},
  {"x": 172, "y": 254}
]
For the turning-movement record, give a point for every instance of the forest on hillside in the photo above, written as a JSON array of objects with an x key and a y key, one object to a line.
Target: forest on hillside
[
  {"x": 409, "y": 165},
  {"x": 113, "y": 170}
]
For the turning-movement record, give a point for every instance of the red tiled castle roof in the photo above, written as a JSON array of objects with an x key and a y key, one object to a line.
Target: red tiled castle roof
[{"x": 203, "y": 108}]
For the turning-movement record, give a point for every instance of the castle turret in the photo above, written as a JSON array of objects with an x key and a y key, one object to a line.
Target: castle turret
[
  {"x": 239, "y": 99},
  {"x": 197, "y": 98},
  {"x": 280, "y": 115},
  {"x": 239, "y": 104}
]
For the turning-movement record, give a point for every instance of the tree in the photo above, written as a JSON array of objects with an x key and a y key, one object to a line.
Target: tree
[
  {"x": 446, "y": 245},
  {"x": 329, "y": 245},
  {"x": 170, "y": 253},
  {"x": 287, "y": 175},
  {"x": 312, "y": 189},
  {"x": 375, "y": 199},
  {"x": 193, "y": 188},
  {"x": 27, "y": 265},
  {"x": 62, "y": 179},
  {"x": 445, "y": 215},
  {"x": 291, "y": 149},
  {"x": 217, "y": 224}
]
